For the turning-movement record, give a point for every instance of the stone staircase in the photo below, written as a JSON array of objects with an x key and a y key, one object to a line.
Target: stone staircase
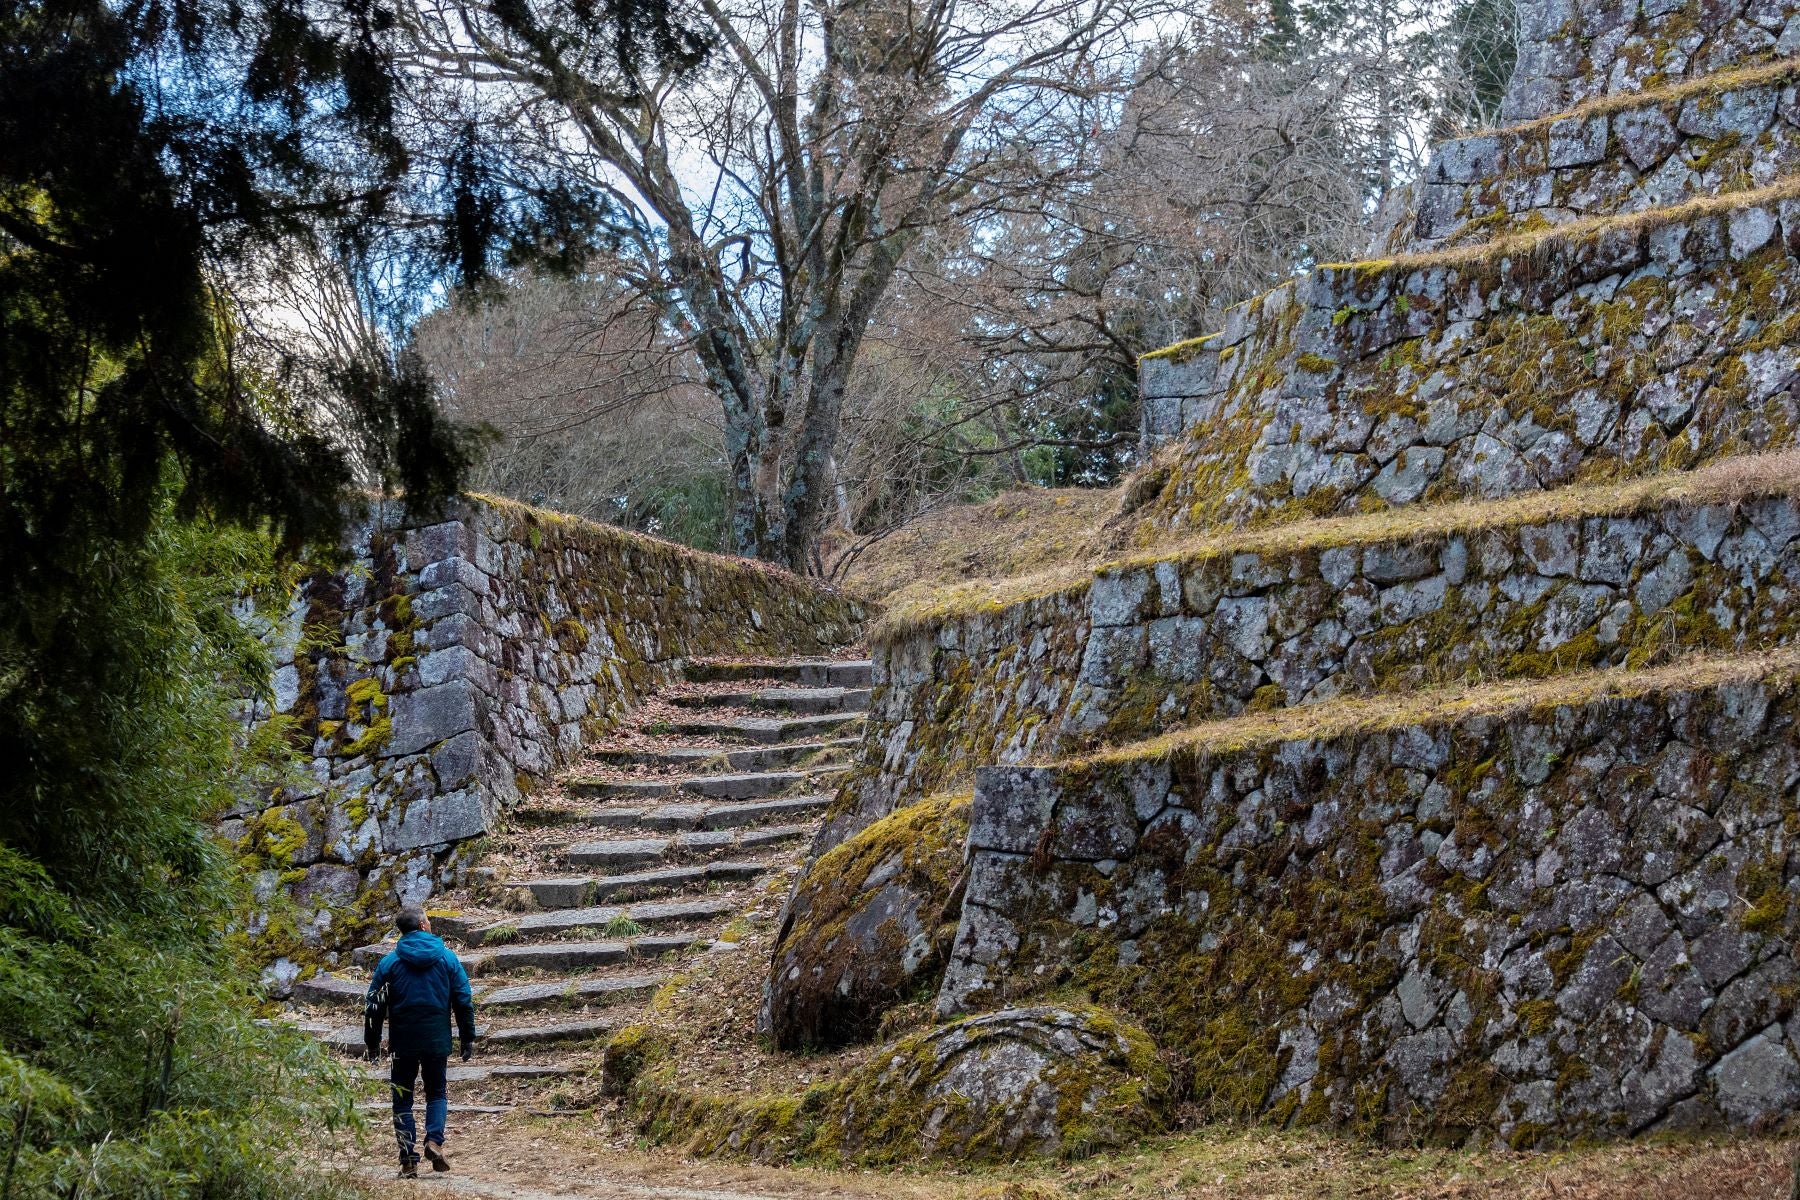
[{"x": 639, "y": 857}]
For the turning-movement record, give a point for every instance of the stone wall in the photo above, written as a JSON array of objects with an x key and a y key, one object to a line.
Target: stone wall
[
  {"x": 1617, "y": 155},
  {"x": 1653, "y": 342},
  {"x": 1574, "y": 50},
  {"x": 1512, "y": 913},
  {"x": 1455, "y": 613},
  {"x": 1603, "y": 576},
  {"x": 443, "y": 666}
]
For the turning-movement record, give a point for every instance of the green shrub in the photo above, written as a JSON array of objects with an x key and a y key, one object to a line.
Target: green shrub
[{"x": 131, "y": 1060}]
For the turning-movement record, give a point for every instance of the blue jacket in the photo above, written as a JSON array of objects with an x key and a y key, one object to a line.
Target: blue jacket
[{"x": 417, "y": 987}]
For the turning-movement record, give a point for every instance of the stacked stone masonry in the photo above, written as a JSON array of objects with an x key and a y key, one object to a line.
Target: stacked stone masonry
[
  {"x": 1456, "y": 608},
  {"x": 1656, "y": 151},
  {"x": 1572, "y": 51},
  {"x": 1553, "y": 920},
  {"x": 1144, "y": 647},
  {"x": 1626, "y": 349},
  {"x": 446, "y": 664}
]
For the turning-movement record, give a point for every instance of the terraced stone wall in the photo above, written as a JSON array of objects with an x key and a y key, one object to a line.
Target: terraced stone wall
[
  {"x": 1588, "y": 352},
  {"x": 446, "y": 665},
  {"x": 1571, "y": 51},
  {"x": 1618, "y": 154},
  {"x": 1262, "y": 622},
  {"x": 1539, "y": 916}
]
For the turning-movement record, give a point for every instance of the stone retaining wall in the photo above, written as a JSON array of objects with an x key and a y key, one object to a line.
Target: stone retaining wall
[
  {"x": 446, "y": 665},
  {"x": 1558, "y": 917},
  {"x": 1660, "y": 150},
  {"x": 1142, "y": 648},
  {"x": 1574, "y": 50},
  {"x": 1621, "y": 348}
]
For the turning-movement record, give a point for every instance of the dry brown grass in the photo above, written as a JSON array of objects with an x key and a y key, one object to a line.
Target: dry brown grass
[
  {"x": 1017, "y": 531},
  {"x": 1727, "y": 481},
  {"x": 1717, "y": 83},
  {"x": 1336, "y": 718},
  {"x": 1530, "y": 241}
]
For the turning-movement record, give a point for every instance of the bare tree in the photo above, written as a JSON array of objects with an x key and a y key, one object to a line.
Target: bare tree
[
  {"x": 1255, "y": 143},
  {"x": 598, "y": 410},
  {"x": 1223, "y": 172},
  {"x": 766, "y": 203}
]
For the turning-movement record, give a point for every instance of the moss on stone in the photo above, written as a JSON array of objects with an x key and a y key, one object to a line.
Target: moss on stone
[{"x": 868, "y": 926}]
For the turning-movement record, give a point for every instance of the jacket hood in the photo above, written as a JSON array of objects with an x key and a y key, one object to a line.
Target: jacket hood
[{"x": 420, "y": 949}]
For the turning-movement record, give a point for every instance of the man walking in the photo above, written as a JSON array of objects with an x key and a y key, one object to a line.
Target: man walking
[{"x": 416, "y": 988}]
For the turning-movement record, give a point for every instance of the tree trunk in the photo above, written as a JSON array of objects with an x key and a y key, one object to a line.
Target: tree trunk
[{"x": 809, "y": 486}]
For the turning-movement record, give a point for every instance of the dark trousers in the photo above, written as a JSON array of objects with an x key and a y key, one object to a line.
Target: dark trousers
[{"x": 408, "y": 1067}]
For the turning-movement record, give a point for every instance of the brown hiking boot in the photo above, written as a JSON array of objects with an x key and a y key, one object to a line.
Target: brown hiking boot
[
  {"x": 435, "y": 1152},
  {"x": 409, "y": 1170}
]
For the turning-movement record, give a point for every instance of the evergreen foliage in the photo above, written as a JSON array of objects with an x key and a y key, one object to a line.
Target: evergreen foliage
[
  {"x": 130, "y": 1061},
  {"x": 149, "y": 151}
]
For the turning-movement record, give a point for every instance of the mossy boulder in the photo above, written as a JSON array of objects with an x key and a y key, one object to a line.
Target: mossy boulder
[
  {"x": 1046, "y": 1081},
  {"x": 627, "y": 1055},
  {"x": 868, "y": 927}
]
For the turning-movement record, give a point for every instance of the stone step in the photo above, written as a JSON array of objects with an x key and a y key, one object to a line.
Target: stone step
[
  {"x": 754, "y": 785},
  {"x": 508, "y": 1037},
  {"x": 326, "y": 990},
  {"x": 701, "y": 760},
  {"x": 580, "y": 890},
  {"x": 693, "y": 844},
  {"x": 347, "y": 1039},
  {"x": 344, "y": 1039},
  {"x": 803, "y": 672},
  {"x": 550, "y": 956},
  {"x": 498, "y": 1073},
  {"x": 770, "y": 730},
  {"x": 609, "y": 989},
  {"x": 564, "y": 920},
  {"x": 709, "y": 816},
  {"x": 807, "y": 701}
]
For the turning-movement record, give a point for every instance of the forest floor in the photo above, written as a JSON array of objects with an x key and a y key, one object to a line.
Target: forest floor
[{"x": 586, "y": 1157}]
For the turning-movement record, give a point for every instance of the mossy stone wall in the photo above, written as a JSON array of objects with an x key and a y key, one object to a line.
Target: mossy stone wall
[
  {"x": 1703, "y": 138},
  {"x": 1541, "y": 924},
  {"x": 1571, "y": 51},
  {"x": 446, "y": 663},
  {"x": 1595, "y": 352},
  {"x": 1145, "y": 648}
]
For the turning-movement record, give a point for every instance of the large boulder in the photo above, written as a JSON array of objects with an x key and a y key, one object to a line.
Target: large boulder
[
  {"x": 1054, "y": 1081},
  {"x": 868, "y": 927}
]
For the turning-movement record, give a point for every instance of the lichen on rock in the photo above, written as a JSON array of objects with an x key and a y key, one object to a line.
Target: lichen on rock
[
  {"x": 1053, "y": 1080},
  {"x": 867, "y": 927}
]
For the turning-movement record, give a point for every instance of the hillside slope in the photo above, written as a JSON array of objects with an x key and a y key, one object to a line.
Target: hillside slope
[{"x": 1016, "y": 532}]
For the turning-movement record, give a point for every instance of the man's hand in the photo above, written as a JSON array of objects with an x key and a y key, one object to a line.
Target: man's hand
[{"x": 468, "y": 1049}]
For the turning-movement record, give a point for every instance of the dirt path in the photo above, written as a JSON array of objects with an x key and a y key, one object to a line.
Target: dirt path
[{"x": 516, "y": 1157}]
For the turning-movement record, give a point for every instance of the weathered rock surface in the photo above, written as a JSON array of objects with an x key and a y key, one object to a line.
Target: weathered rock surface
[
  {"x": 1269, "y": 621},
  {"x": 1649, "y": 342},
  {"x": 1622, "y": 154},
  {"x": 1571, "y": 51},
  {"x": 1053, "y": 1081},
  {"x": 1507, "y": 917},
  {"x": 867, "y": 927}
]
